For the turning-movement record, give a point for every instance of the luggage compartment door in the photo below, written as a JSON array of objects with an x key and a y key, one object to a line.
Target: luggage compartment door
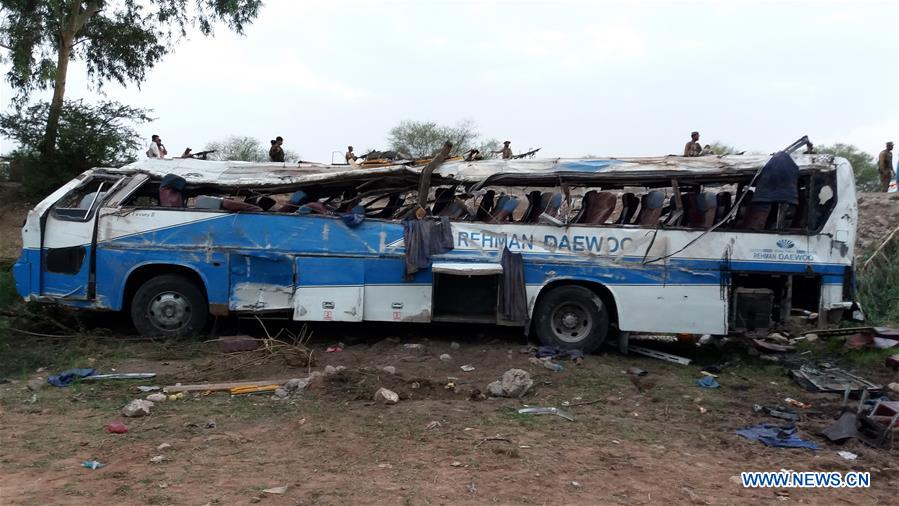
[{"x": 329, "y": 289}]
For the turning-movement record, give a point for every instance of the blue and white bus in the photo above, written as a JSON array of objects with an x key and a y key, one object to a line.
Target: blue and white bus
[{"x": 607, "y": 246}]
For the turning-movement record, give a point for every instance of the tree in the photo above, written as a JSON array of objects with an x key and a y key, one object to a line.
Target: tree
[
  {"x": 90, "y": 135},
  {"x": 867, "y": 177},
  {"x": 423, "y": 139},
  {"x": 118, "y": 41},
  {"x": 245, "y": 149}
]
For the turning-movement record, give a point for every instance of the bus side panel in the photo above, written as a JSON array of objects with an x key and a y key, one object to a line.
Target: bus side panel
[
  {"x": 694, "y": 309},
  {"x": 390, "y": 297},
  {"x": 329, "y": 289},
  {"x": 261, "y": 281}
]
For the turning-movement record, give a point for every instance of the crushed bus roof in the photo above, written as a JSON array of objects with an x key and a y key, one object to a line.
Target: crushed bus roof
[{"x": 479, "y": 173}]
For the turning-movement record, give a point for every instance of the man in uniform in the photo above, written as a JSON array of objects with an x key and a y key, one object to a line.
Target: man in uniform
[
  {"x": 506, "y": 151},
  {"x": 276, "y": 153},
  {"x": 885, "y": 167},
  {"x": 693, "y": 148}
]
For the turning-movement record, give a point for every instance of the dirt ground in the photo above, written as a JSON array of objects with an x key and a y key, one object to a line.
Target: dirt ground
[{"x": 632, "y": 442}]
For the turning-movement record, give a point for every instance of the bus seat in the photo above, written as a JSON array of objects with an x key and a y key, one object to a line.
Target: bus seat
[
  {"x": 757, "y": 216},
  {"x": 237, "y": 205},
  {"x": 599, "y": 206},
  {"x": 675, "y": 215},
  {"x": 724, "y": 203},
  {"x": 505, "y": 206},
  {"x": 702, "y": 210},
  {"x": 263, "y": 201},
  {"x": 551, "y": 202},
  {"x": 800, "y": 212},
  {"x": 579, "y": 216},
  {"x": 651, "y": 208},
  {"x": 442, "y": 197},
  {"x": 485, "y": 207},
  {"x": 394, "y": 202},
  {"x": 530, "y": 214},
  {"x": 629, "y": 205},
  {"x": 313, "y": 208}
]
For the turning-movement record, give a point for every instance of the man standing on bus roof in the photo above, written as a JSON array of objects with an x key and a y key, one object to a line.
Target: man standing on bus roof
[
  {"x": 693, "y": 148},
  {"x": 350, "y": 156},
  {"x": 885, "y": 167},
  {"x": 506, "y": 151},
  {"x": 276, "y": 153},
  {"x": 156, "y": 149}
]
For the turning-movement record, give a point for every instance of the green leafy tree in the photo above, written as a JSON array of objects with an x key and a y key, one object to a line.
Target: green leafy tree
[
  {"x": 422, "y": 139},
  {"x": 117, "y": 41},
  {"x": 90, "y": 135},
  {"x": 244, "y": 149},
  {"x": 720, "y": 149},
  {"x": 866, "y": 176}
]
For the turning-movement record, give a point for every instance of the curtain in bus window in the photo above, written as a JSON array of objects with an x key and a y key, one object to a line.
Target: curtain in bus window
[
  {"x": 778, "y": 181},
  {"x": 424, "y": 238},
  {"x": 513, "y": 301}
]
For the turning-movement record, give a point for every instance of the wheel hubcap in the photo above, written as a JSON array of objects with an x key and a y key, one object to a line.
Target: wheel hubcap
[
  {"x": 571, "y": 322},
  {"x": 169, "y": 311}
]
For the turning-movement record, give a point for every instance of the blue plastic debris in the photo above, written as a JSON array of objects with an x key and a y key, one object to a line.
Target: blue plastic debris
[
  {"x": 68, "y": 377},
  {"x": 92, "y": 464},
  {"x": 776, "y": 435},
  {"x": 707, "y": 382}
]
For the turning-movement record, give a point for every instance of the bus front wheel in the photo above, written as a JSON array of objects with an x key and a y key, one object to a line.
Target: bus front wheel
[
  {"x": 169, "y": 306},
  {"x": 571, "y": 317}
]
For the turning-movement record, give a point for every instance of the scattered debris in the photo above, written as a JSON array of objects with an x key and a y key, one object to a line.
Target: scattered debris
[
  {"x": 176, "y": 397},
  {"x": 467, "y": 367},
  {"x": 514, "y": 383},
  {"x": 296, "y": 384},
  {"x": 892, "y": 362},
  {"x": 144, "y": 389},
  {"x": 446, "y": 358},
  {"x": 636, "y": 371},
  {"x": 92, "y": 464},
  {"x": 659, "y": 355},
  {"x": 276, "y": 490},
  {"x": 455, "y": 463},
  {"x": 495, "y": 438},
  {"x": 472, "y": 488},
  {"x": 137, "y": 408},
  {"x": 158, "y": 459},
  {"x": 454, "y": 345},
  {"x": 893, "y": 387},
  {"x": 254, "y": 389},
  {"x": 771, "y": 346},
  {"x": 830, "y": 379},
  {"x": 386, "y": 396},
  {"x": 329, "y": 370},
  {"x": 37, "y": 383},
  {"x": 776, "y": 435},
  {"x": 845, "y": 427},
  {"x": 708, "y": 382},
  {"x": 702, "y": 410},
  {"x": 157, "y": 397},
  {"x": 847, "y": 455},
  {"x": 778, "y": 412},
  {"x": 416, "y": 347},
  {"x": 575, "y": 484},
  {"x": 334, "y": 349},
  {"x": 798, "y": 404},
  {"x": 433, "y": 425},
  {"x": 557, "y": 352},
  {"x": 233, "y": 344},
  {"x": 163, "y": 446},
  {"x": 210, "y": 424},
  {"x": 116, "y": 428},
  {"x": 217, "y": 387},
  {"x": 120, "y": 376},
  {"x": 69, "y": 376},
  {"x": 547, "y": 411},
  {"x": 280, "y": 393},
  {"x": 389, "y": 369}
]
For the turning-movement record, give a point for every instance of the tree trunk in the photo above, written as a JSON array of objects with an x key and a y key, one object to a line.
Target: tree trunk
[{"x": 59, "y": 92}]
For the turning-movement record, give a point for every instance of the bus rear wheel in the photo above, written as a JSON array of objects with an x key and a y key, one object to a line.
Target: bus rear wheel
[
  {"x": 169, "y": 306},
  {"x": 571, "y": 317}
]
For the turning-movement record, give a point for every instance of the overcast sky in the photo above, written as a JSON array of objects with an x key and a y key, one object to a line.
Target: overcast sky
[{"x": 575, "y": 78}]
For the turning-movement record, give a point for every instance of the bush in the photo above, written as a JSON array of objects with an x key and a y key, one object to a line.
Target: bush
[{"x": 878, "y": 285}]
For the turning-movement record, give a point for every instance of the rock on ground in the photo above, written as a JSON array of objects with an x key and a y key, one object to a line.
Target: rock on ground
[
  {"x": 137, "y": 408},
  {"x": 514, "y": 383},
  {"x": 386, "y": 396}
]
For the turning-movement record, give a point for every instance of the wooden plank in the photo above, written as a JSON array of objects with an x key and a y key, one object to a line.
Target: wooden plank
[{"x": 214, "y": 387}]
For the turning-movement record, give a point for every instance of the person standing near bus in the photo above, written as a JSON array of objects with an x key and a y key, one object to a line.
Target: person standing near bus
[
  {"x": 156, "y": 149},
  {"x": 885, "y": 167},
  {"x": 276, "y": 153},
  {"x": 350, "y": 156},
  {"x": 693, "y": 148}
]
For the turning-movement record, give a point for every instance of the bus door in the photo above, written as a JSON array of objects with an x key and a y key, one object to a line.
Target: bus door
[
  {"x": 69, "y": 239},
  {"x": 329, "y": 289}
]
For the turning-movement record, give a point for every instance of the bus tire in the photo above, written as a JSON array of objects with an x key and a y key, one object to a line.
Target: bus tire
[
  {"x": 169, "y": 305},
  {"x": 571, "y": 317}
]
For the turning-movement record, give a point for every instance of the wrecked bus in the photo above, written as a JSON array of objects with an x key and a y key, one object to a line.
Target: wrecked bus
[{"x": 574, "y": 250}]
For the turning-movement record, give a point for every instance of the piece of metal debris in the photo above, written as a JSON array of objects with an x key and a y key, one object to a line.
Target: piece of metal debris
[
  {"x": 547, "y": 411},
  {"x": 659, "y": 355},
  {"x": 830, "y": 380},
  {"x": 120, "y": 375}
]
